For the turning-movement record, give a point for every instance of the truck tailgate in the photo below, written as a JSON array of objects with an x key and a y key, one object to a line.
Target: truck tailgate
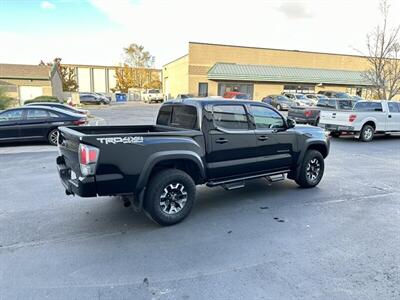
[{"x": 335, "y": 117}]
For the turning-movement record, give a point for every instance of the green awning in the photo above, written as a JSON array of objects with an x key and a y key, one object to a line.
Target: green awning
[{"x": 265, "y": 73}]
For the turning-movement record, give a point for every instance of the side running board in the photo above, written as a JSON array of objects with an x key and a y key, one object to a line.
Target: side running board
[{"x": 231, "y": 184}]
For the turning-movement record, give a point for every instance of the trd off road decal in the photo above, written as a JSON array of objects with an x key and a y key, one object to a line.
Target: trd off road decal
[{"x": 121, "y": 140}]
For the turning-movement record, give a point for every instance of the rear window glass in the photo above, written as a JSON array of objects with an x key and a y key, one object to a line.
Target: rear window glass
[
  {"x": 345, "y": 104},
  {"x": 180, "y": 116},
  {"x": 231, "y": 117},
  {"x": 368, "y": 106}
]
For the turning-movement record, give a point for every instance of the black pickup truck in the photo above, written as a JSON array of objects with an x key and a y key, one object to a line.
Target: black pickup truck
[{"x": 202, "y": 141}]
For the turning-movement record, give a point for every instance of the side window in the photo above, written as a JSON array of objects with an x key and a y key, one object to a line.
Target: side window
[
  {"x": 53, "y": 114},
  {"x": 368, "y": 106},
  {"x": 12, "y": 115},
  {"x": 34, "y": 114},
  {"x": 203, "y": 89},
  {"x": 266, "y": 118},
  {"x": 231, "y": 117},
  {"x": 394, "y": 107}
]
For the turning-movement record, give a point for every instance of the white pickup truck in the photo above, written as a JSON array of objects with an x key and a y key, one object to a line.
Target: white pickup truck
[
  {"x": 153, "y": 95},
  {"x": 364, "y": 120}
]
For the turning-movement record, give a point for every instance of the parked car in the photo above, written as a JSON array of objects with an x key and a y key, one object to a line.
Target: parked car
[
  {"x": 315, "y": 97},
  {"x": 93, "y": 98},
  {"x": 280, "y": 102},
  {"x": 236, "y": 95},
  {"x": 207, "y": 141},
  {"x": 60, "y": 106},
  {"x": 311, "y": 114},
  {"x": 300, "y": 99},
  {"x": 35, "y": 123},
  {"x": 366, "y": 119},
  {"x": 153, "y": 95},
  {"x": 333, "y": 94},
  {"x": 104, "y": 95},
  {"x": 184, "y": 96}
]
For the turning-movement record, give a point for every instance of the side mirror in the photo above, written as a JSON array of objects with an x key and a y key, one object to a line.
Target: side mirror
[{"x": 290, "y": 123}]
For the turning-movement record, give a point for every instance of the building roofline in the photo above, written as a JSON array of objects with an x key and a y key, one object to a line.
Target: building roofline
[
  {"x": 176, "y": 59},
  {"x": 283, "y": 67},
  {"x": 278, "y": 49},
  {"x": 98, "y": 66},
  {"x": 25, "y": 77}
]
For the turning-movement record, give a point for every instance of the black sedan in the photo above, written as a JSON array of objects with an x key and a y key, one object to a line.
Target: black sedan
[
  {"x": 35, "y": 123},
  {"x": 61, "y": 106}
]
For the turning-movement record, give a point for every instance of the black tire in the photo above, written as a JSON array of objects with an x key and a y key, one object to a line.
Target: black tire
[
  {"x": 309, "y": 168},
  {"x": 367, "y": 133},
  {"x": 335, "y": 134},
  {"x": 166, "y": 187},
  {"x": 279, "y": 107},
  {"x": 52, "y": 137}
]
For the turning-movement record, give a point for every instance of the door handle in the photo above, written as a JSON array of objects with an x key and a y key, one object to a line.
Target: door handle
[
  {"x": 389, "y": 116},
  {"x": 221, "y": 141},
  {"x": 263, "y": 138}
]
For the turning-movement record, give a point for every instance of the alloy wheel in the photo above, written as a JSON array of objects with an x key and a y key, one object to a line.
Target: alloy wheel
[
  {"x": 173, "y": 198},
  {"x": 313, "y": 169},
  {"x": 368, "y": 132},
  {"x": 53, "y": 137}
]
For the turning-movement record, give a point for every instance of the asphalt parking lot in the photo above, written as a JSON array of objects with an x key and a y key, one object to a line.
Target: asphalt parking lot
[{"x": 340, "y": 240}]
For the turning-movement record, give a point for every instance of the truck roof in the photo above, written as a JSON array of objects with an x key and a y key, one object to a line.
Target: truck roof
[{"x": 207, "y": 101}]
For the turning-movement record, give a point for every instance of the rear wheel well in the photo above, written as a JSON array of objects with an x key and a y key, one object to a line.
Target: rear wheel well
[
  {"x": 320, "y": 148},
  {"x": 371, "y": 123},
  {"x": 186, "y": 165}
]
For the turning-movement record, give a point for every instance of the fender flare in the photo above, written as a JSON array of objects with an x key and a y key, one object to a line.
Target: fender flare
[
  {"x": 295, "y": 174},
  {"x": 165, "y": 156}
]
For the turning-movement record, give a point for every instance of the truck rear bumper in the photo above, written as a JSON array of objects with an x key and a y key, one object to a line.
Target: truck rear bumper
[
  {"x": 81, "y": 186},
  {"x": 331, "y": 127}
]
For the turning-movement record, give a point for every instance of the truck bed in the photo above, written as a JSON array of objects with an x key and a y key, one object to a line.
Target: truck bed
[
  {"x": 132, "y": 129},
  {"x": 124, "y": 153}
]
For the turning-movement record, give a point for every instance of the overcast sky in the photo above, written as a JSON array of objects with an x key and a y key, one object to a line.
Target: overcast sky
[{"x": 94, "y": 32}]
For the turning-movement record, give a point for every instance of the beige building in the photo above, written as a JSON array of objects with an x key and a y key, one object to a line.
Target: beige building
[
  {"x": 99, "y": 79},
  {"x": 212, "y": 69},
  {"x": 24, "y": 82}
]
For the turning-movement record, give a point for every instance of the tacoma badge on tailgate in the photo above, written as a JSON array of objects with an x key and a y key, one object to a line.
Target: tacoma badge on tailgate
[{"x": 121, "y": 140}]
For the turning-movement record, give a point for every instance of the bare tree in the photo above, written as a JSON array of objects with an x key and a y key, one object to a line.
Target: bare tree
[{"x": 383, "y": 46}]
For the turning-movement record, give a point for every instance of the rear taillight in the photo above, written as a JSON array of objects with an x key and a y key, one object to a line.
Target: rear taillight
[
  {"x": 352, "y": 118},
  {"x": 308, "y": 113},
  {"x": 79, "y": 122},
  {"x": 88, "y": 156}
]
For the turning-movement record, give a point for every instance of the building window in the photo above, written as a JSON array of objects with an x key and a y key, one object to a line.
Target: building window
[
  {"x": 203, "y": 89},
  {"x": 245, "y": 88},
  {"x": 295, "y": 88}
]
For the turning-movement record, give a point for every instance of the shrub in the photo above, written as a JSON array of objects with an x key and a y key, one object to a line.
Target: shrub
[
  {"x": 5, "y": 101},
  {"x": 42, "y": 99}
]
